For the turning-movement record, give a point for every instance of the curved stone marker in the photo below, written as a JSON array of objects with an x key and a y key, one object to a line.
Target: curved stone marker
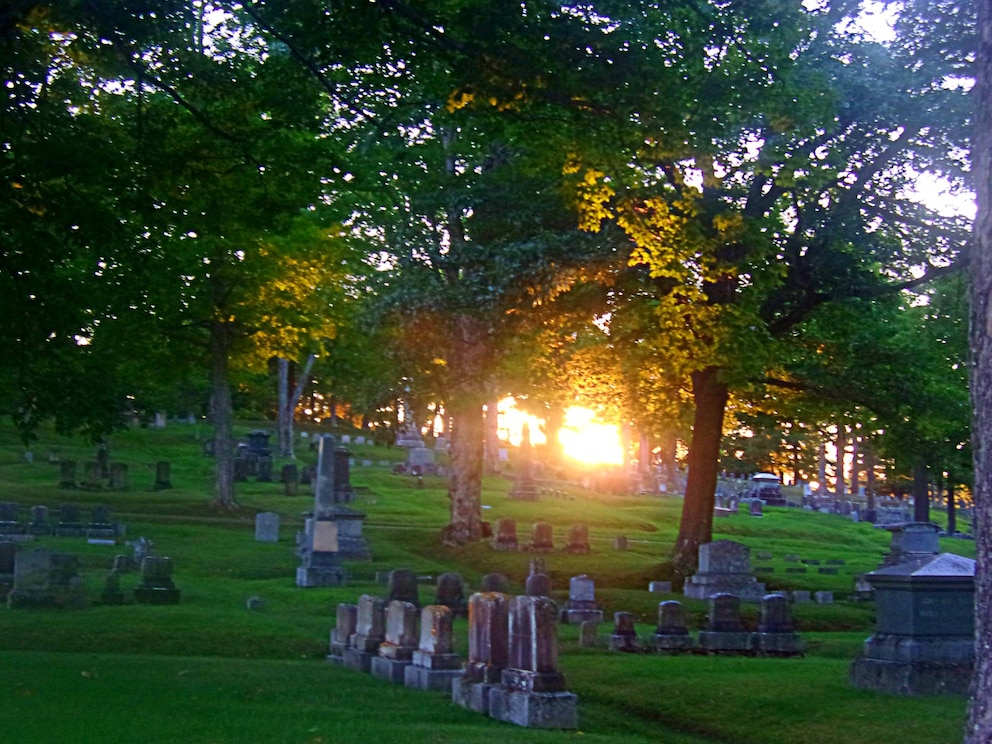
[
  {"x": 672, "y": 634},
  {"x": 450, "y": 592},
  {"x": 725, "y": 632},
  {"x": 488, "y": 650},
  {"x": 776, "y": 634},
  {"x": 624, "y": 636},
  {"x": 396, "y": 651},
  {"x": 578, "y": 539},
  {"x": 532, "y": 691},
  {"x": 435, "y": 665},
  {"x": 542, "y": 540},
  {"x": 506, "y": 535}
]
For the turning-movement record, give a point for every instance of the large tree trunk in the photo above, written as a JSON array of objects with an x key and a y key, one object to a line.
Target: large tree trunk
[
  {"x": 467, "y": 395},
  {"x": 288, "y": 402},
  {"x": 696, "y": 526},
  {"x": 223, "y": 415},
  {"x": 952, "y": 512},
  {"x": 979, "y": 726},
  {"x": 840, "y": 484}
]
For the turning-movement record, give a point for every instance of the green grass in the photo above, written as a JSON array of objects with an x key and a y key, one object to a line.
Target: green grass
[{"x": 210, "y": 670}]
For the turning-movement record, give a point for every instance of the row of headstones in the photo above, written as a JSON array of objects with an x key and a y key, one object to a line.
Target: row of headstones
[
  {"x": 96, "y": 475},
  {"x": 725, "y": 632},
  {"x": 542, "y": 538},
  {"x": 45, "y": 578},
  {"x": 511, "y": 671},
  {"x": 70, "y": 524}
]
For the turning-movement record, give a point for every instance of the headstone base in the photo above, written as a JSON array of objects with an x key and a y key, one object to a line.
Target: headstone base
[
  {"x": 472, "y": 695},
  {"x": 778, "y": 644},
  {"x": 576, "y": 617},
  {"x": 155, "y": 595},
  {"x": 360, "y": 661},
  {"x": 390, "y": 669},
  {"x": 903, "y": 678},
  {"x": 309, "y": 576},
  {"x": 673, "y": 643},
  {"x": 553, "y": 710},
  {"x": 422, "y": 678},
  {"x": 626, "y": 643},
  {"x": 717, "y": 642}
]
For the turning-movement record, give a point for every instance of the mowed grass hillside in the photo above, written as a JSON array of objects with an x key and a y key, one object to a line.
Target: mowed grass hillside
[{"x": 211, "y": 670}]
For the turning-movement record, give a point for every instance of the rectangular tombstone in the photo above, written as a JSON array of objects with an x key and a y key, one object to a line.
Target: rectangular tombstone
[
  {"x": 345, "y": 625},
  {"x": 267, "y": 527},
  {"x": 370, "y": 631},
  {"x": 488, "y": 650},
  {"x": 396, "y": 650},
  {"x": 532, "y": 693},
  {"x": 435, "y": 666}
]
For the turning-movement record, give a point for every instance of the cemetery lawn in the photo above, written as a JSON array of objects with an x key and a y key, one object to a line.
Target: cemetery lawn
[{"x": 211, "y": 670}]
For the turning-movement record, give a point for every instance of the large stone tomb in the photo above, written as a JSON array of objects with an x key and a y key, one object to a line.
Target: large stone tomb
[{"x": 924, "y": 638}]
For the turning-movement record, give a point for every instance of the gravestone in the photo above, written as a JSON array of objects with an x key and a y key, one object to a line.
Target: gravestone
[
  {"x": 38, "y": 524},
  {"x": 163, "y": 476},
  {"x": 306, "y": 475},
  {"x": 532, "y": 691},
  {"x": 581, "y": 605},
  {"x": 370, "y": 631},
  {"x": 757, "y": 508},
  {"x": 346, "y": 620},
  {"x": 112, "y": 594},
  {"x": 910, "y": 542},
  {"x": 119, "y": 477},
  {"x": 69, "y": 522},
  {"x": 801, "y": 596},
  {"x": 402, "y": 586},
  {"x": 824, "y": 597},
  {"x": 450, "y": 592},
  {"x": 488, "y": 651},
  {"x": 92, "y": 476},
  {"x": 344, "y": 493},
  {"x": 624, "y": 637},
  {"x": 589, "y": 634},
  {"x": 924, "y": 641},
  {"x": 506, "y": 535},
  {"x": 577, "y": 541},
  {"x": 435, "y": 665},
  {"x": 396, "y": 650},
  {"x": 620, "y": 542},
  {"x": 67, "y": 474},
  {"x": 525, "y": 489},
  {"x": 538, "y": 585},
  {"x": 725, "y": 631},
  {"x": 241, "y": 469},
  {"x": 660, "y": 587},
  {"x": 43, "y": 578},
  {"x": 495, "y": 582},
  {"x": 8, "y": 553},
  {"x": 542, "y": 540},
  {"x": 102, "y": 525},
  {"x": 267, "y": 527},
  {"x": 724, "y": 568},
  {"x": 156, "y": 586},
  {"x": 776, "y": 634},
  {"x": 265, "y": 465},
  {"x": 671, "y": 635},
  {"x": 419, "y": 460},
  {"x": 9, "y": 521}
]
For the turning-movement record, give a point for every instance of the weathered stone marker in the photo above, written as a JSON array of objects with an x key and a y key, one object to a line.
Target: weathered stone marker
[
  {"x": 724, "y": 568},
  {"x": 488, "y": 650},
  {"x": 435, "y": 665},
  {"x": 346, "y": 621},
  {"x": 370, "y": 631},
  {"x": 672, "y": 633},
  {"x": 396, "y": 650}
]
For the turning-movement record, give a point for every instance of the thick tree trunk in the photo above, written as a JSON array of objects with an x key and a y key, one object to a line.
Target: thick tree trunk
[
  {"x": 821, "y": 471},
  {"x": 855, "y": 467},
  {"x": 979, "y": 726},
  {"x": 288, "y": 402},
  {"x": 696, "y": 526},
  {"x": 869, "y": 476},
  {"x": 467, "y": 361},
  {"x": 921, "y": 491},
  {"x": 223, "y": 415},
  {"x": 669, "y": 459},
  {"x": 952, "y": 511}
]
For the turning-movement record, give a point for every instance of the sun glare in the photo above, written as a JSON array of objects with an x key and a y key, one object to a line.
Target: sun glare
[{"x": 582, "y": 438}]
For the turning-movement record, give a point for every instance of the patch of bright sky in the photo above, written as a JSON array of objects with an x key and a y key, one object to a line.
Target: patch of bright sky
[{"x": 583, "y": 437}]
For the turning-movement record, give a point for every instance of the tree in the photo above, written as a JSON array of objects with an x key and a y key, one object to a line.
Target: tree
[{"x": 979, "y": 723}]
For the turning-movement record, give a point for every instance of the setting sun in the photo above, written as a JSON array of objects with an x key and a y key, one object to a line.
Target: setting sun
[{"x": 582, "y": 438}]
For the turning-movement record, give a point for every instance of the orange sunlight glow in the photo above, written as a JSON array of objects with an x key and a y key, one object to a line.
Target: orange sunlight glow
[{"x": 583, "y": 438}]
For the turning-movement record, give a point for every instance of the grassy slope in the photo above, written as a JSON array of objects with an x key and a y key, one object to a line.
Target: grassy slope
[{"x": 211, "y": 670}]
